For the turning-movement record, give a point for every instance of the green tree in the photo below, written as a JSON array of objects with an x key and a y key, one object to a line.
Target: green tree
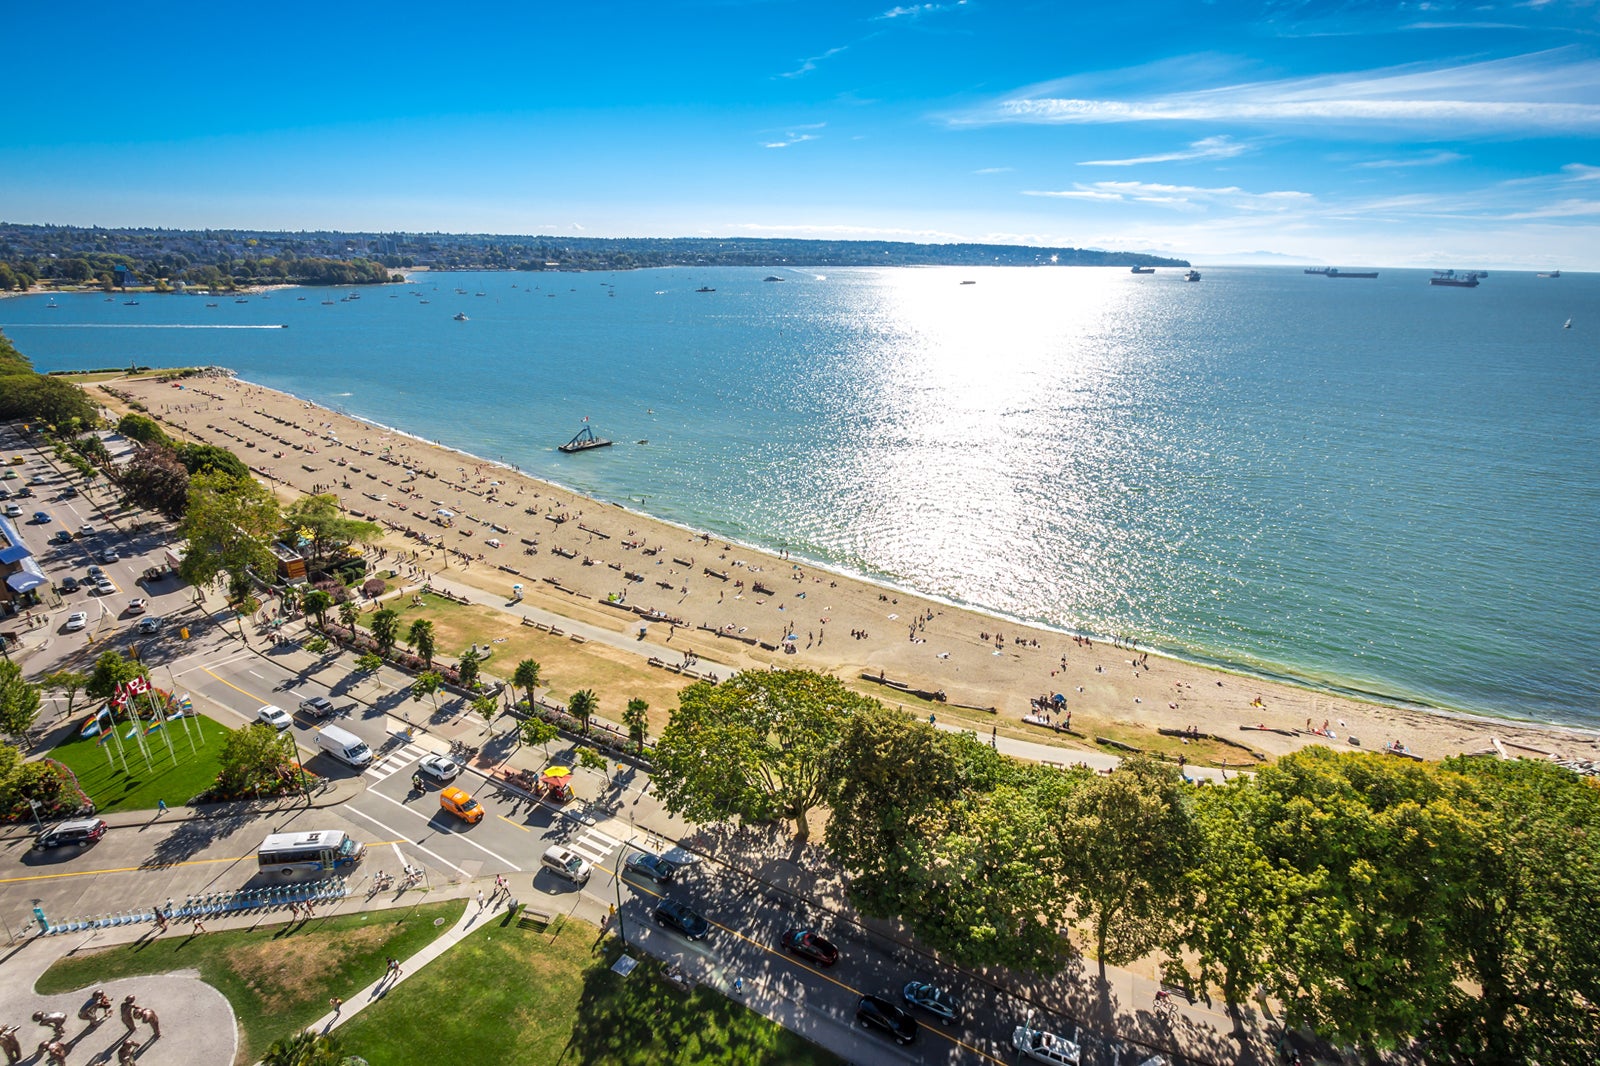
[
  {"x": 386, "y": 630},
  {"x": 306, "y": 1048},
  {"x": 327, "y": 530},
  {"x": 538, "y": 731},
  {"x": 70, "y": 682},
  {"x": 1522, "y": 915},
  {"x": 208, "y": 458},
  {"x": 420, "y": 636},
  {"x": 253, "y": 758},
  {"x": 143, "y": 429},
  {"x": 111, "y": 670},
  {"x": 368, "y": 662},
  {"x": 486, "y": 707},
  {"x": 153, "y": 478},
  {"x": 229, "y": 523},
  {"x": 758, "y": 745},
  {"x": 636, "y": 716},
  {"x": 317, "y": 603},
  {"x": 427, "y": 684},
  {"x": 527, "y": 678},
  {"x": 590, "y": 759},
  {"x": 467, "y": 669},
  {"x": 19, "y": 700},
  {"x": 582, "y": 706},
  {"x": 1125, "y": 840}
]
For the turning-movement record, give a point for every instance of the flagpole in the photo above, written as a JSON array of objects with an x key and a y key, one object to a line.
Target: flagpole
[
  {"x": 116, "y": 734},
  {"x": 188, "y": 709},
  {"x": 161, "y": 721}
]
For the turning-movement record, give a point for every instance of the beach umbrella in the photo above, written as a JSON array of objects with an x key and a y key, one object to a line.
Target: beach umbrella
[
  {"x": 443, "y": 513},
  {"x": 558, "y": 772},
  {"x": 1058, "y": 699},
  {"x": 516, "y": 588}
]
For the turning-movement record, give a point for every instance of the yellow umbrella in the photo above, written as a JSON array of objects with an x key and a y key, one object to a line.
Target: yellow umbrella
[{"x": 558, "y": 771}]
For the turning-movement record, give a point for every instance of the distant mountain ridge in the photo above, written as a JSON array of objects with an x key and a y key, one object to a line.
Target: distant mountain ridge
[{"x": 222, "y": 257}]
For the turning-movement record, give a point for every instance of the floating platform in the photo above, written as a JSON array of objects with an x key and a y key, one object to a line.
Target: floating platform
[{"x": 583, "y": 440}]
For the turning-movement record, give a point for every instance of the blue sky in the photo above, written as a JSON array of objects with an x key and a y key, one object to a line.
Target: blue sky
[{"x": 1427, "y": 134}]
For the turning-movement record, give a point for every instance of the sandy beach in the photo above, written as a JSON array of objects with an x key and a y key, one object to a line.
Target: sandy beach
[{"x": 738, "y": 608}]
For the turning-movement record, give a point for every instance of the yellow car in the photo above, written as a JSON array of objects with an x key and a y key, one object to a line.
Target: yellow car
[{"x": 460, "y": 804}]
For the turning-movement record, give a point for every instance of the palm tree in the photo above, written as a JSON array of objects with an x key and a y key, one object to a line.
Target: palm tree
[
  {"x": 349, "y": 611},
  {"x": 306, "y": 1048},
  {"x": 386, "y": 630},
  {"x": 421, "y": 638},
  {"x": 467, "y": 669},
  {"x": 316, "y": 603},
  {"x": 636, "y": 718},
  {"x": 527, "y": 678},
  {"x": 583, "y": 704}
]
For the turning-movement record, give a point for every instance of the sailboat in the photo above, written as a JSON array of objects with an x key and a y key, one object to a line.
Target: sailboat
[{"x": 1567, "y": 324}]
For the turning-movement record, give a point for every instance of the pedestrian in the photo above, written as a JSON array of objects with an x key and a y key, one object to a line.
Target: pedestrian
[
  {"x": 480, "y": 899},
  {"x": 337, "y": 1004},
  {"x": 161, "y": 807},
  {"x": 309, "y": 913},
  {"x": 199, "y": 927},
  {"x": 394, "y": 968},
  {"x": 161, "y": 920}
]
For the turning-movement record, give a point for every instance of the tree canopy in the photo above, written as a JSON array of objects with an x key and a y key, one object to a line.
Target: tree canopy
[{"x": 229, "y": 523}]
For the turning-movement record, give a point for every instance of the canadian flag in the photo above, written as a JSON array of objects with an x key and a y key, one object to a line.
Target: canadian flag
[{"x": 138, "y": 686}]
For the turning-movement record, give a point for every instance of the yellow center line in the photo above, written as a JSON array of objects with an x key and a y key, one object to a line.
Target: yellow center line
[
  {"x": 767, "y": 948},
  {"x": 231, "y": 685},
  {"x": 517, "y": 825}
]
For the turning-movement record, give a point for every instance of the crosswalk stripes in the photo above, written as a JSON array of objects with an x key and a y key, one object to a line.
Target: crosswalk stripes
[
  {"x": 594, "y": 845},
  {"x": 396, "y": 761}
]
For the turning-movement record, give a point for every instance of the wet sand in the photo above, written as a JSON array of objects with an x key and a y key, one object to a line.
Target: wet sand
[{"x": 738, "y": 608}]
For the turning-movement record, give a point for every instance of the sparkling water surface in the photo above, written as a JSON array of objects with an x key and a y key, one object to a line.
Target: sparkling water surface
[{"x": 1380, "y": 486}]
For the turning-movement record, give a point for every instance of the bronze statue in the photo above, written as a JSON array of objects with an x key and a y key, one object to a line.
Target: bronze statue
[
  {"x": 55, "y": 1051},
  {"x": 126, "y": 1051},
  {"x": 12, "y": 1046},
  {"x": 127, "y": 1013},
  {"x": 148, "y": 1016},
  {"x": 97, "y": 1009},
  {"x": 55, "y": 1021}
]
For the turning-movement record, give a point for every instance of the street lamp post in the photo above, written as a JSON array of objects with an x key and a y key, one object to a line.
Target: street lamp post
[
  {"x": 616, "y": 882},
  {"x": 37, "y": 824},
  {"x": 294, "y": 753}
]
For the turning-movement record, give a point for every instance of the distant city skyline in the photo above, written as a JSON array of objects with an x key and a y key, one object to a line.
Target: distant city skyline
[{"x": 1413, "y": 134}]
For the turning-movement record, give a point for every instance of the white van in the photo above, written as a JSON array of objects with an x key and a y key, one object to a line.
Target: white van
[
  {"x": 566, "y": 864},
  {"x": 344, "y": 746}
]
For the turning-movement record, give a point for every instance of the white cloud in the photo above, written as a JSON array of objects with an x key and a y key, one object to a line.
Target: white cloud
[
  {"x": 808, "y": 65},
  {"x": 918, "y": 10},
  {"x": 994, "y": 170},
  {"x": 1545, "y": 90},
  {"x": 843, "y": 231},
  {"x": 1180, "y": 197},
  {"x": 792, "y": 138},
  {"x": 1206, "y": 148},
  {"x": 1432, "y": 159},
  {"x": 1581, "y": 172}
]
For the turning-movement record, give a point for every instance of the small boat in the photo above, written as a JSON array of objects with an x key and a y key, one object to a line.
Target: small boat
[
  {"x": 1142, "y": 270},
  {"x": 969, "y": 283},
  {"x": 422, "y": 301},
  {"x": 583, "y": 440},
  {"x": 300, "y": 298},
  {"x": 52, "y": 305},
  {"x": 241, "y": 300},
  {"x": 483, "y": 294},
  {"x": 327, "y": 303},
  {"x": 772, "y": 277},
  {"x": 355, "y": 296},
  {"x": 211, "y": 305},
  {"x": 1193, "y": 275},
  {"x": 461, "y": 316},
  {"x": 130, "y": 303},
  {"x": 705, "y": 288},
  {"x": 1567, "y": 324},
  {"x": 1551, "y": 274}
]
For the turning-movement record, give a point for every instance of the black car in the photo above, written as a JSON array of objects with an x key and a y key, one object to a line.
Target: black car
[
  {"x": 79, "y": 831},
  {"x": 809, "y": 944},
  {"x": 875, "y": 1012},
  {"x": 68, "y": 584},
  {"x": 681, "y": 916},
  {"x": 648, "y": 865}
]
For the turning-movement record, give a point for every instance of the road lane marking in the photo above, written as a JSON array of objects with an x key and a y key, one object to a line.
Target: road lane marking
[
  {"x": 129, "y": 869},
  {"x": 419, "y": 847},
  {"x": 451, "y": 832}
]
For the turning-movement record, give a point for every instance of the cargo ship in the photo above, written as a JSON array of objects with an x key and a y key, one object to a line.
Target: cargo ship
[
  {"x": 1335, "y": 272},
  {"x": 1468, "y": 280},
  {"x": 1143, "y": 270}
]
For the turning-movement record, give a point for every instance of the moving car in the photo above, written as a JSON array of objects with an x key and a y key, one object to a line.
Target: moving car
[
  {"x": 875, "y": 1012},
  {"x": 931, "y": 998},
  {"x": 13, "y": 511},
  {"x": 95, "y": 573},
  {"x": 79, "y": 831},
  {"x": 318, "y": 707},
  {"x": 809, "y": 944},
  {"x": 568, "y": 864},
  {"x": 1048, "y": 1048},
  {"x": 137, "y": 605},
  {"x": 441, "y": 768},
  {"x": 107, "y": 555},
  {"x": 276, "y": 717},
  {"x": 41, "y": 518},
  {"x": 462, "y": 805},
  {"x": 104, "y": 587},
  {"x": 68, "y": 584},
  {"x": 61, "y": 536},
  {"x": 682, "y": 917},
  {"x": 86, "y": 531},
  {"x": 647, "y": 864},
  {"x": 69, "y": 493},
  {"x": 150, "y": 625},
  {"x": 77, "y": 620}
]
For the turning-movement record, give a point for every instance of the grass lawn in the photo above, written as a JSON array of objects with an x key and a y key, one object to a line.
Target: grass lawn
[
  {"x": 507, "y": 995},
  {"x": 140, "y": 788},
  {"x": 278, "y": 978}
]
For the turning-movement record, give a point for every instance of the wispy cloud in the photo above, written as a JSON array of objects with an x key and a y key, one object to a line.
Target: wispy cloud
[
  {"x": 1581, "y": 172},
  {"x": 1544, "y": 90},
  {"x": 994, "y": 170},
  {"x": 848, "y": 232},
  {"x": 919, "y": 10},
  {"x": 1206, "y": 148},
  {"x": 808, "y": 65},
  {"x": 1432, "y": 159},
  {"x": 1179, "y": 197},
  {"x": 795, "y": 137}
]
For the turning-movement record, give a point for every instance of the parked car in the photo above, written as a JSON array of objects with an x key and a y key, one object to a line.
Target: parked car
[
  {"x": 150, "y": 625},
  {"x": 875, "y": 1012},
  {"x": 648, "y": 864},
  {"x": 317, "y": 708},
  {"x": 77, "y": 620},
  {"x": 13, "y": 511},
  {"x": 931, "y": 998},
  {"x": 809, "y": 944},
  {"x": 137, "y": 605},
  {"x": 276, "y": 717},
  {"x": 682, "y": 917},
  {"x": 79, "y": 831},
  {"x": 441, "y": 768}
]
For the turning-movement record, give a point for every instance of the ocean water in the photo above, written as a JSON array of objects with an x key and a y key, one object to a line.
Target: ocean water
[{"x": 1376, "y": 486}]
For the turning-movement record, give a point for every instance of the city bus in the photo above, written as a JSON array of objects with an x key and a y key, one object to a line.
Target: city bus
[{"x": 323, "y": 850}]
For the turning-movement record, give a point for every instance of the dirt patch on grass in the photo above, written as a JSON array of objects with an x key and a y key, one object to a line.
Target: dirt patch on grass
[{"x": 276, "y": 971}]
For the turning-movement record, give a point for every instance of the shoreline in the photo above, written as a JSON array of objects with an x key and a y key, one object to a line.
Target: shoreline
[{"x": 971, "y": 683}]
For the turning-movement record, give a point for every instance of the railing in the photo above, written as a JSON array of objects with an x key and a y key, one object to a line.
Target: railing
[{"x": 214, "y": 904}]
